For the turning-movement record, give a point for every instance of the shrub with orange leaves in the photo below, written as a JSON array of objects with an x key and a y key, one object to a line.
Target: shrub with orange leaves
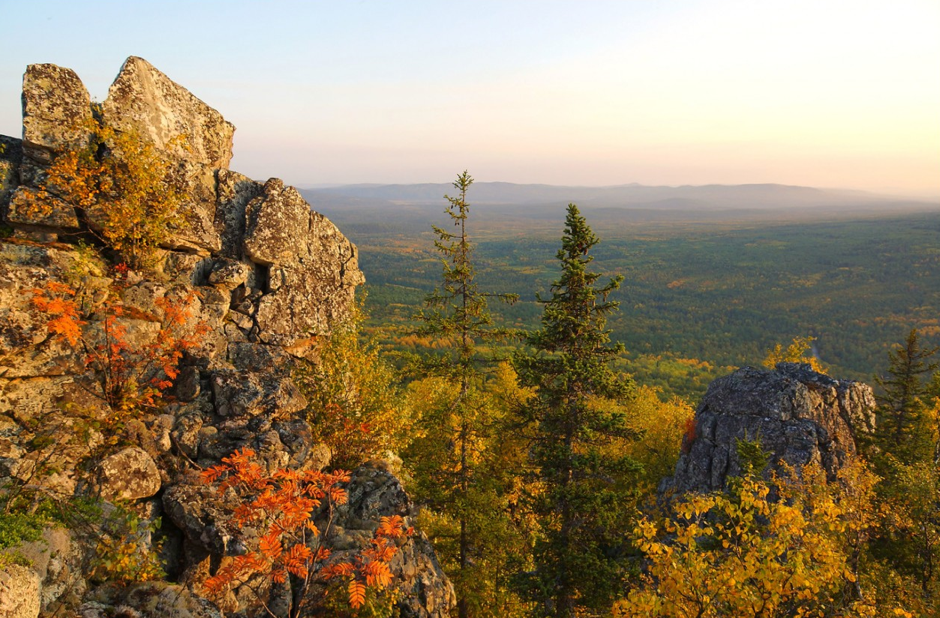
[
  {"x": 369, "y": 570},
  {"x": 128, "y": 376},
  {"x": 57, "y": 300},
  {"x": 282, "y": 506},
  {"x": 134, "y": 376}
]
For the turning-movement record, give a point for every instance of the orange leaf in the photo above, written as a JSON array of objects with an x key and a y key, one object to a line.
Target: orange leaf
[
  {"x": 340, "y": 569},
  {"x": 357, "y": 594},
  {"x": 270, "y": 546},
  {"x": 378, "y": 574},
  {"x": 390, "y": 526}
]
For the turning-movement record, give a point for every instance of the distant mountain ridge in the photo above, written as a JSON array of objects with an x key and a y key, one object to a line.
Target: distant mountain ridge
[{"x": 631, "y": 196}]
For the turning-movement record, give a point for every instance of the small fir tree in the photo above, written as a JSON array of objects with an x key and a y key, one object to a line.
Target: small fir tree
[
  {"x": 580, "y": 508},
  {"x": 903, "y": 429}
]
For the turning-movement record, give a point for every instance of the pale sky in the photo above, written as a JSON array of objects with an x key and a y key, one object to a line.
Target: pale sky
[{"x": 591, "y": 92}]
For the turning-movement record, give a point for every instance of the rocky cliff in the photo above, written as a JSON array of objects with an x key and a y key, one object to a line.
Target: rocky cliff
[
  {"x": 248, "y": 273},
  {"x": 797, "y": 416}
]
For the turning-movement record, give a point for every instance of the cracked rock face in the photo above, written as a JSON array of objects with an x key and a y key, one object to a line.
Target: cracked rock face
[
  {"x": 312, "y": 268},
  {"x": 263, "y": 276},
  {"x": 799, "y": 417}
]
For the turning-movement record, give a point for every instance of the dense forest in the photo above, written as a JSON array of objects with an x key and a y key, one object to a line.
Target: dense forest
[{"x": 701, "y": 295}]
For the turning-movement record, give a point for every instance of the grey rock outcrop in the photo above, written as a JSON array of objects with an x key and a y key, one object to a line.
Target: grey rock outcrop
[
  {"x": 798, "y": 416},
  {"x": 257, "y": 278},
  {"x": 301, "y": 251}
]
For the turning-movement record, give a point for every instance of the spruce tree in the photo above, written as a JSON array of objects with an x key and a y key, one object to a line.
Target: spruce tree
[
  {"x": 903, "y": 429},
  {"x": 581, "y": 478},
  {"x": 457, "y": 433},
  {"x": 906, "y": 461}
]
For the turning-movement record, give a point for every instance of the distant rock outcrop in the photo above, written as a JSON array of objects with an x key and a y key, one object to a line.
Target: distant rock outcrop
[
  {"x": 798, "y": 416},
  {"x": 264, "y": 277}
]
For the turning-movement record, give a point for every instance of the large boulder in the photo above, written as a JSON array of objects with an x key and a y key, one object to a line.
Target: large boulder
[
  {"x": 129, "y": 474},
  {"x": 312, "y": 269},
  {"x": 799, "y": 417},
  {"x": 147, "y": 101},
  {"x": 56, "y": 116},
  {"x": 190, "y": 133},
  {"x": 56, "y": 111}
]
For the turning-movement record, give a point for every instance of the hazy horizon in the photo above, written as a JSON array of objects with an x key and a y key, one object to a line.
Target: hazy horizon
[
  {"x": 836, "y": 95},
  {"x": 927, "y": 196}
]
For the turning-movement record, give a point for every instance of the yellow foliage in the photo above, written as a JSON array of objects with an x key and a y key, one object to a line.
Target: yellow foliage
[
  {"x": 353, "y": 402},
  {"x": 123, "y": 553},
  {"x": 745, "y": 554},
  {"x": 662, "y": 425},
  {"x": 795, "y": 353},
  {"x": 127, "y": 193},
  {"x": 495, "y": 501}
]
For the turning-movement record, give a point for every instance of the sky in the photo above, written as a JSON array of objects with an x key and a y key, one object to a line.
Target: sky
[{"x": 577, "y": 92}]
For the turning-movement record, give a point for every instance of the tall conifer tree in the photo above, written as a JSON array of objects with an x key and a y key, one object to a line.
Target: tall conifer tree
[
  {"x": 576, "y": 560},
  {"x": 456, "y": 315}
]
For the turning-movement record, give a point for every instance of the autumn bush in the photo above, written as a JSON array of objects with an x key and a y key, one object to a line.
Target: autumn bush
[
  {"x": 354, "y": 403},
  {"x": 124, "y": 552},
  {"x": 124, "y": 186},
  {"x": 56, "y": 301},
  {"x": 128, "y": 374},
  {"x": 282, "y": 506},
  {"x": 796, "y": 352}
]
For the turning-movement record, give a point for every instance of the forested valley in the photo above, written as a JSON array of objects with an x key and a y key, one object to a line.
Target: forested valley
[
  {"x": 703, "y": 292},
  {"x": 545, "y": 390}
]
